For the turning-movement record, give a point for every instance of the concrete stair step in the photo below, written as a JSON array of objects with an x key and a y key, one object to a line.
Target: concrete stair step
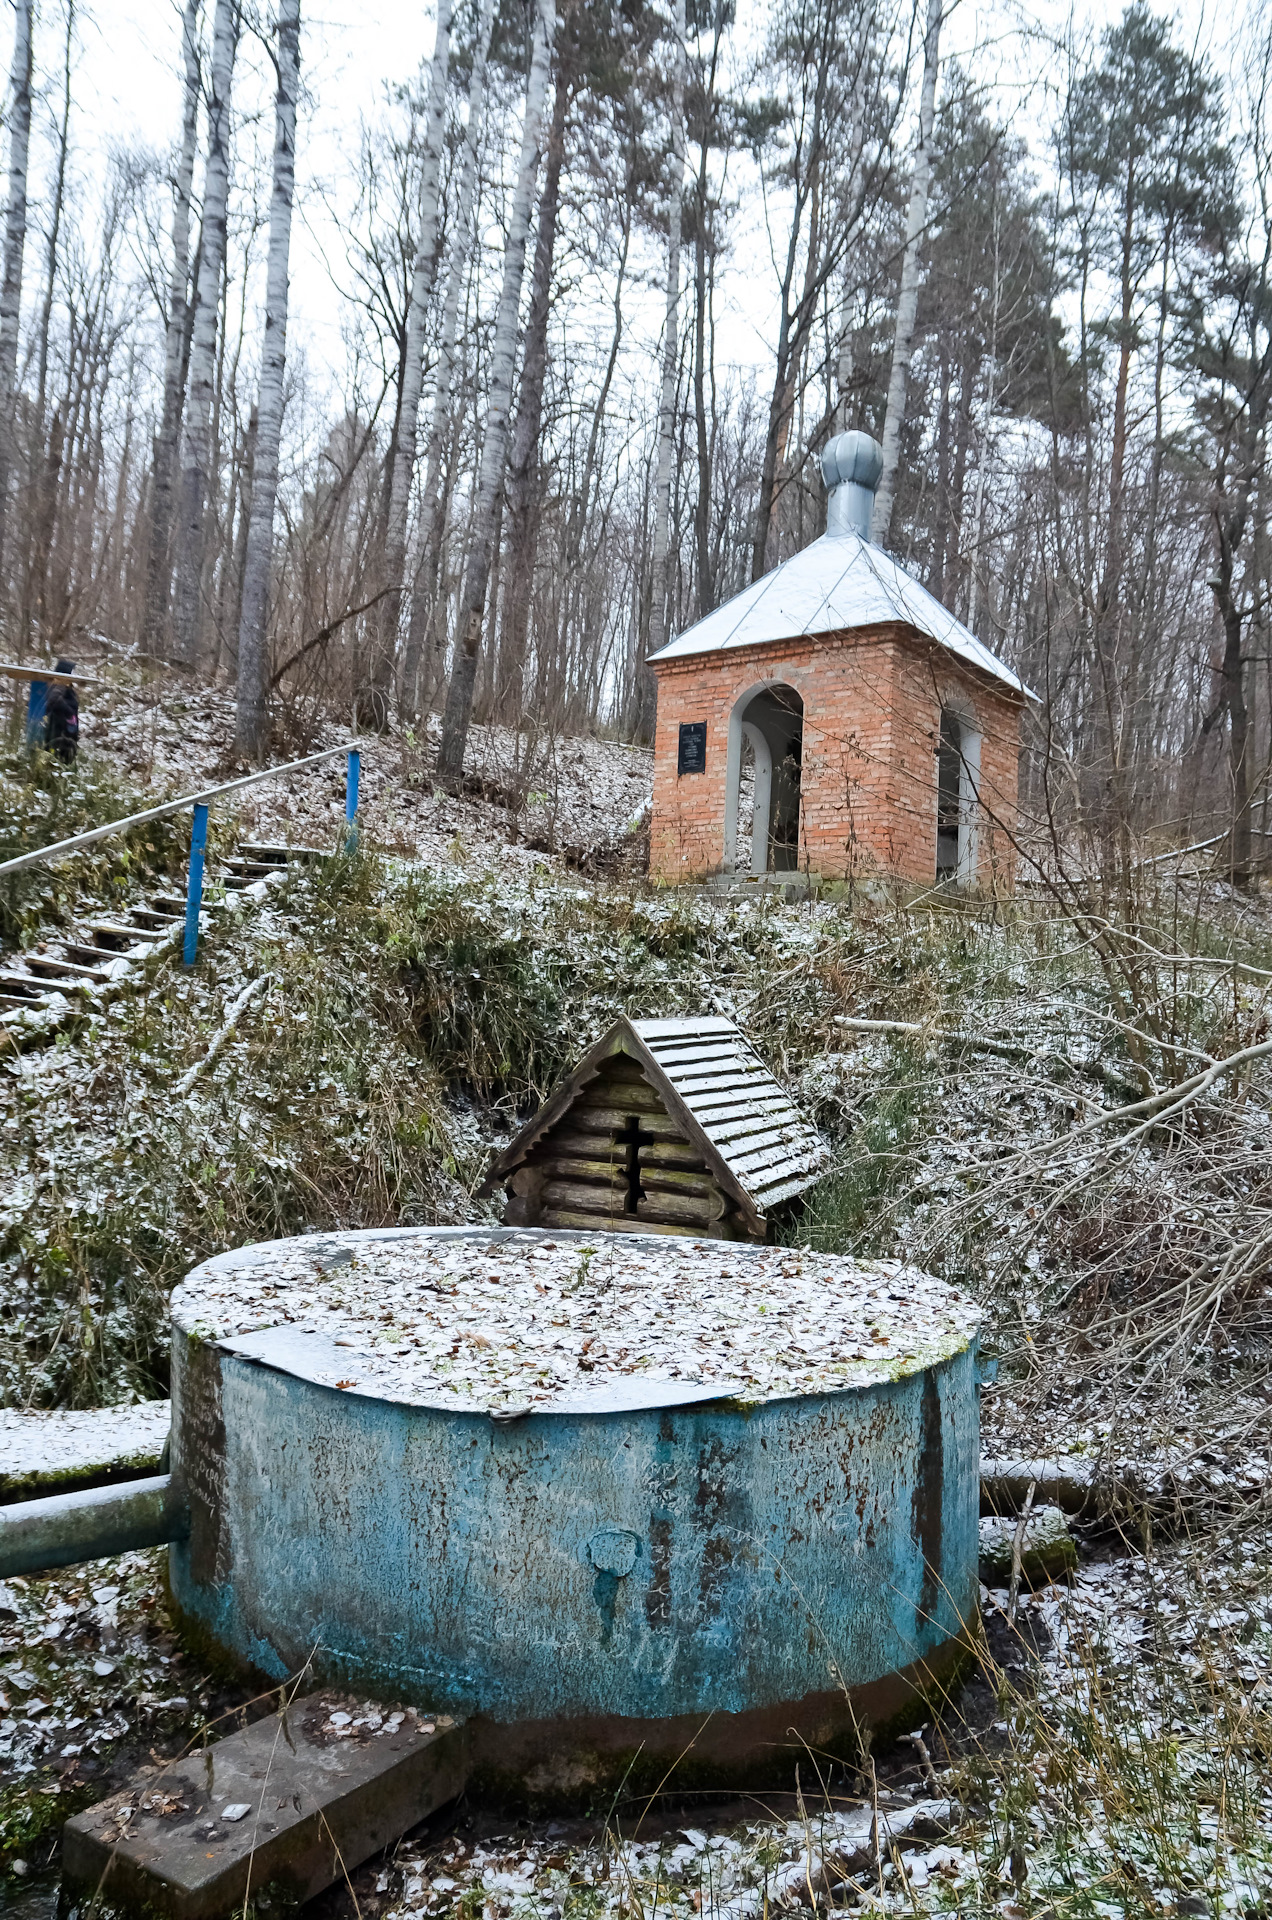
[
  {"x": 279, "y": 855},
  {"x": 23, "y": 986},
  {"x": 291, "y": 1805},
  {"x": 78, "y": 951},
  {"x": 152, "y": 920},
  {"x": 64, "y": 969},
  {"x": 108, "y": 930}
]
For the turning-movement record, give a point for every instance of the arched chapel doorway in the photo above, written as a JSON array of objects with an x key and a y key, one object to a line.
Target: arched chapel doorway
[{"x": 766, "y": 747}]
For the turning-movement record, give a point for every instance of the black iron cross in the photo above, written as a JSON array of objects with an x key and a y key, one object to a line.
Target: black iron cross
[{"x": 632, "y": 1136}]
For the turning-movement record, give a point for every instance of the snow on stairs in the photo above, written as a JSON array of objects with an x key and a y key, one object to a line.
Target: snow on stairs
[{"x": 105, "y": 951}]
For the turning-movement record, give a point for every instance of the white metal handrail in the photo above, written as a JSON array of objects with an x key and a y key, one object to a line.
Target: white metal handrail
[
  {"x": 77, "y": 840},
  {"x": 199, "y": 828}
]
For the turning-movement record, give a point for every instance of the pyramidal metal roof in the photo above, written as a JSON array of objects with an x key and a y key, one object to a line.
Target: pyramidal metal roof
[{"x": 839, "y": 582}]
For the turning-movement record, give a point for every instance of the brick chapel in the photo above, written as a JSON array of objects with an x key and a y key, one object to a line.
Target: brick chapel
[{"x": 835, "y": 719}]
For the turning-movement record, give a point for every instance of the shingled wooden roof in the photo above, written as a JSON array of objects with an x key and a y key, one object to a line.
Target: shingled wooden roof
[{"x": 670, "y": 1126}]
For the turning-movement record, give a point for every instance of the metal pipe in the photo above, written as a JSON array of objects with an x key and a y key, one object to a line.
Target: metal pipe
[
  {"x": 72, "y": 1527},
  {"x": 79, "y": 840},
  {"x": 48, "y": 676}
]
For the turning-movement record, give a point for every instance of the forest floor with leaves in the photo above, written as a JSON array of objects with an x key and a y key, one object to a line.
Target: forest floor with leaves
[{"x": 1014, "y": 1102}]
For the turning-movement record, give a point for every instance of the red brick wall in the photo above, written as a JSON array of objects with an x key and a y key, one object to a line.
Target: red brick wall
[{"x": 872, "y": 703}]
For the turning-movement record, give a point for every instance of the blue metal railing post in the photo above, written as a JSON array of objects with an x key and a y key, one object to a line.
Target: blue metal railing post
[
  {"x": 353, "y": 775},
  {"x": 37, "y": 703},
  {"x": 194, "y": 886}
]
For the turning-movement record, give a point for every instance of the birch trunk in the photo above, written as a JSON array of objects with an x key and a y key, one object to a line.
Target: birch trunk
[
  {"x": 424, "y": 589},
  {"x": 523, "y": 498},
  {"x": 472, "y": 607},
  {"x": 908, "y": 302},
  {"x": 176, "y": 348},
  {"x": 659, "y": 612},
  {"x": 252, "y": 717},
  {"x": 374, "y": 698},
  {"x": 30, "y": 586},
  {"x": 197, "y": 453},
  {"x": 15, "y": 226}
]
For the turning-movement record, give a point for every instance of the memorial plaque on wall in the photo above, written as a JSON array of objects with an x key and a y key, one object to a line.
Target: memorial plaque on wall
[{"x": 693, "y": 747}]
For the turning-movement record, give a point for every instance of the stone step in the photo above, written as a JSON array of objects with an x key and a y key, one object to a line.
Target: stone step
[{"x": 290, "y": 1807}]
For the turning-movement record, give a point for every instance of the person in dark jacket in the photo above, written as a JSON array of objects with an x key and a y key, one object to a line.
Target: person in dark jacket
[{"x": 61, "y": 716}]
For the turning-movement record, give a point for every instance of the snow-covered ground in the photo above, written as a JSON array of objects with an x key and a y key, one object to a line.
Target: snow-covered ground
[
  {"x": 1028, "y": 1791},
  {"x": 1111, "y": 1758},
  {"x": 40, "y": 1449},
  {"x": 576, "y": 798}
]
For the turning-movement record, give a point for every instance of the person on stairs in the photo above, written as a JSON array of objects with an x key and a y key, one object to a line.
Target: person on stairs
[{"x": 61, "y": 716}]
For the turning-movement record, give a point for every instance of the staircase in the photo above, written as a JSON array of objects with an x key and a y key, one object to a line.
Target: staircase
[{"x": 105, "y": 951}]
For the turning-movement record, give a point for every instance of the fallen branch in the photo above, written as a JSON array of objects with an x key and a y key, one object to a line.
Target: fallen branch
[
  {"x": 981, "y": 1043},
  {"x": 237, "y": 1007}
]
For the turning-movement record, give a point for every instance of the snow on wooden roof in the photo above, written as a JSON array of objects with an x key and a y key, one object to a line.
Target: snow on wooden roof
[
  {"x": 746, "y": 1117},
  {"x": 838, "y": 583},
  {"x": 759, "y": 1149}
]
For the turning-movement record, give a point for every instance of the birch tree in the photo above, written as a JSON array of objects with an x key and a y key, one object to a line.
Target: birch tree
[
  {"x": 523, "y": 493},
  {"x": 176, "y": 352},
  {"x": 424, "y": 589},
  {"x": 660, "y": 612},
  {"x": 253, "y": 651},
  {"x": 481, "y": 548},
  {"x": 374, "y": 699},
  {"x": 908, "y": 300},
  {"x": 15, "y": 226},
  {"x": 197, "y": 449}
]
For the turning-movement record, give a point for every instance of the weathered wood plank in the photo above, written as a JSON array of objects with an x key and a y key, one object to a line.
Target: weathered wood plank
[
  {"x": 663, "y": 1153},
  {"x": 573, "y": 1193},
  {"x": 608, "y": 1093},
  {"x": 675, "y": 1206},
  {"x": 562, "y": 1166},
  {"x": 672, "y": 1180},
  {"x": 696, "y": 1084},
  {"x": 623, "y": 1223},
  {"x": 609, "y": 1120}
]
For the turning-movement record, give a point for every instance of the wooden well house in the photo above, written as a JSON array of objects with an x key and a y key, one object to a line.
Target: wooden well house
[{"x": 665, "y": 1126}]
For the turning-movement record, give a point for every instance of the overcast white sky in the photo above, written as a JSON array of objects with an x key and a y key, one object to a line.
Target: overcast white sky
[{"x": 128, "y": 85}]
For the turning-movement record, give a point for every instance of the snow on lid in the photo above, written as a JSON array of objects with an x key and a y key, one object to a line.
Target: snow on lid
[
  {"x": 517, "y": 1320},
  {"x": 839, "y": 582}
]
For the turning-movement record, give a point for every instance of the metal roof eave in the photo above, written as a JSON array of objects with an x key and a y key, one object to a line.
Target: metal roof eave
[{"x": 840, "y": 583}]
